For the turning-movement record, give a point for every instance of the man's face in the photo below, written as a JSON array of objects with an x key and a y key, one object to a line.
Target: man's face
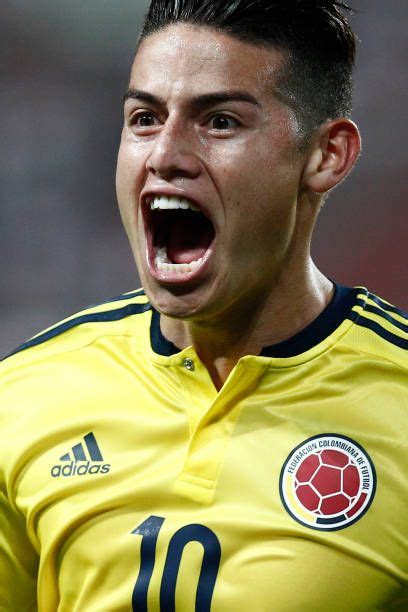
[{"x": 202, "y": 126}]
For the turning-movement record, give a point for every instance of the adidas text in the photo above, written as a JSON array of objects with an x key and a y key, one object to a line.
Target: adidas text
[{"x": 79, "y": 469}]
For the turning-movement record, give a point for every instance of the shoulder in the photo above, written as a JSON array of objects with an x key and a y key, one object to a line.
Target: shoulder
[
  {"x": 70, "y": 371},
  {"x": 380, "y": 329},
  {"x": 117, "y": 316}
]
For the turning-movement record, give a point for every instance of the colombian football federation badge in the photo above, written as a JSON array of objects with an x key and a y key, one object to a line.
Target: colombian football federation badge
[{"x": 327, "y": 482}]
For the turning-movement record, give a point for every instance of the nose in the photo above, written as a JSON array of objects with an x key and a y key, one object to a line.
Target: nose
[{"x": 173, "y": 154}]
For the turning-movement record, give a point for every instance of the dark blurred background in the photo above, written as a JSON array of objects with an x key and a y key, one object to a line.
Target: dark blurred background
[{"x": 64, "y": 66}]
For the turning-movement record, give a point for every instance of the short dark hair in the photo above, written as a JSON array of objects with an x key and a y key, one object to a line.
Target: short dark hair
[{"x": 315, "y": 34}]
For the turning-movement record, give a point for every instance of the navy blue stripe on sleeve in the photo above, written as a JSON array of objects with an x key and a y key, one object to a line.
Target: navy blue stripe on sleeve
[
  {"x": 362, "y": 321},
  {"x": 96, "y": 317},
  {"x": 387, "y": 307},
  {"x": 386, "y": 316}
]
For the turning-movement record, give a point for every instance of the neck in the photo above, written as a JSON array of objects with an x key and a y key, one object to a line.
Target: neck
[{"x": 287, "y": 309}]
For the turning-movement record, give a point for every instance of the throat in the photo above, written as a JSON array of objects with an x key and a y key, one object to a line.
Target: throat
[
  {"x": 184, "y": 249},
  {"x": 186, "y": 238}
]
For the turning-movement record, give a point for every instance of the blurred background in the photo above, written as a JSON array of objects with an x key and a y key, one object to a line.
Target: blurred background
[{"x": 64, "y": 67}]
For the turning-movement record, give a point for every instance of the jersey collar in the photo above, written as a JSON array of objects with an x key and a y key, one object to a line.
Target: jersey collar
[{"x": 318, "y": 330}]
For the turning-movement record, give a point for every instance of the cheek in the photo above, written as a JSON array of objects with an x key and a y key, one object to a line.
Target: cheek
[
  {"x": 131, "y": 165},
  {"x": 124, "y": 174},
  {"x": 129, "y": 181},
  {"x": 261, "y": 203}
]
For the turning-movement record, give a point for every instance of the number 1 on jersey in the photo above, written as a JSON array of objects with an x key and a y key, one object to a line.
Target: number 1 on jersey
[{"x": 149, "y": 530}]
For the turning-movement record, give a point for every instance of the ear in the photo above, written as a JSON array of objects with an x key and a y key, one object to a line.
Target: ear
[{"x": 333, "y": 153}]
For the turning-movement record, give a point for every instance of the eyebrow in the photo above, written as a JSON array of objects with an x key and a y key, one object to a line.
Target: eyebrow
[{"x": 201, "y": 101}]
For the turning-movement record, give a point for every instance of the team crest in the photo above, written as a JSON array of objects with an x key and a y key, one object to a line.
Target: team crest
[{"x": 328, "y": 482}]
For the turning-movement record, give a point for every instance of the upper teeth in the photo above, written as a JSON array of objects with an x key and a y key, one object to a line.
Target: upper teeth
[{"x": 163, "y": 202}]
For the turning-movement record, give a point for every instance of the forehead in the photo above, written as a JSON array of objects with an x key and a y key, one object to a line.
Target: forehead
[{"x": 187, "y": 58}]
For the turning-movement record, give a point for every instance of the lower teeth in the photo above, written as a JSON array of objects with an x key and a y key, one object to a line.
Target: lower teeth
[{"x": 163, "y": 265}]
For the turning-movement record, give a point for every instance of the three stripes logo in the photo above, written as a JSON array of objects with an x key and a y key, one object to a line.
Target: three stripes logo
[{"x": 84, "y": 458}]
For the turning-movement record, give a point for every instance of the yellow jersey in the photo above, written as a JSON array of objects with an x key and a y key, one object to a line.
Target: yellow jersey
[{"x": 129, "y": 483}]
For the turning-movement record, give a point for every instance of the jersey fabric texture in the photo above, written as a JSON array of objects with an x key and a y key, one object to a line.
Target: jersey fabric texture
[{"x": 127, "y": 482}]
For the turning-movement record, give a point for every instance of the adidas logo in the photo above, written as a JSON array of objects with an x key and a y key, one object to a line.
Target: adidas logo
[{"x": 78, "y": 463}]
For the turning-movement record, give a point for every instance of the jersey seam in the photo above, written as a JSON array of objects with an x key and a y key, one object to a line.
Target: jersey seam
[{"x": 379, "y": 356}]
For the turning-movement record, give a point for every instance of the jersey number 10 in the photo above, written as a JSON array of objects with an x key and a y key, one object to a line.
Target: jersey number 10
[{"x": 149, "y": 530}]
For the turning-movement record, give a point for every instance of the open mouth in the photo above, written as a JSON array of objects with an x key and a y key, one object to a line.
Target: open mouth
[{"x": 179, "y": 235}]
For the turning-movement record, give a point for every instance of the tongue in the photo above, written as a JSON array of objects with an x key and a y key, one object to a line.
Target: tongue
[{"x": 188, "y": 242}]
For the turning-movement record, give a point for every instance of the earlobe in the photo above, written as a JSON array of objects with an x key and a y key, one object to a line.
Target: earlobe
[{"x": 333, "y": 154}]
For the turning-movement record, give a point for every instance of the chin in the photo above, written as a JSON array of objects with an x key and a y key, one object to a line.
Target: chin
[{"x": 176, "y": 302}]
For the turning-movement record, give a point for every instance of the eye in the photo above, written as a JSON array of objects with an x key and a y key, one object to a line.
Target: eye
[
  {"x": 223, "y": 122},
  {"x": 144, "y": 119}
]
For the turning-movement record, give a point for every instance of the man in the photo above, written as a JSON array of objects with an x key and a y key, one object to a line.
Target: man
[{"x": 230, "y": 437}]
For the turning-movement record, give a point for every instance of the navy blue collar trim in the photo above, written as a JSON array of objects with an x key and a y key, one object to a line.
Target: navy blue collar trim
[
  {"x": 332, "y": 316},
  {"x": 325, "y": 324},
  {"x": 159, "y": 343}
]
